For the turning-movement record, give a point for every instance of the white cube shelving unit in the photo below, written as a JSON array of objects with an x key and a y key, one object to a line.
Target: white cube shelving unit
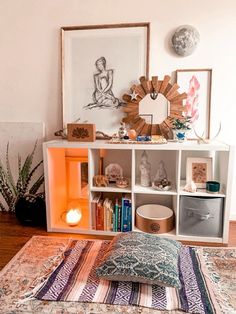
[{"x": 174, "y": 155}]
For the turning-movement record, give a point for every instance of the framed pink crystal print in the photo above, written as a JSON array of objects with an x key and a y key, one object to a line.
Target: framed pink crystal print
[{"x": 197, "y": 84}]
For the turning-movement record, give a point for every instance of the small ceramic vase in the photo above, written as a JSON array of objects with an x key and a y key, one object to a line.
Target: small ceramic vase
[{"x": 180, "y": 135}]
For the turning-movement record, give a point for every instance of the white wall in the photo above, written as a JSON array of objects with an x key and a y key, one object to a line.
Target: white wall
[{"x": 30, "y": 87}]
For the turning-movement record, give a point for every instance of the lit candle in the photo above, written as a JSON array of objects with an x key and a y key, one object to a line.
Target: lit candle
[{"x": 73, "y": 217}]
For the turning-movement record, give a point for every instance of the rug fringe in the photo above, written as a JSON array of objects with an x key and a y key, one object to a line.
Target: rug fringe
[{"x": 48, "y": 268}]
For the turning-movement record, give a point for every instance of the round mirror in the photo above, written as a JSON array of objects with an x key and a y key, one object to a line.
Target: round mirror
[
  {"x": 154, "y": 111},
  {"x": 152, "y": 106}
]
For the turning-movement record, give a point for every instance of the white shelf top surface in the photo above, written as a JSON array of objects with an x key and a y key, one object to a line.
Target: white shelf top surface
[
  {"x": 149, "y": 190},
  {"x": 188, "y": 145},
  {"x": 110, "y": 188},
  {"x": 199, "y": 192}
]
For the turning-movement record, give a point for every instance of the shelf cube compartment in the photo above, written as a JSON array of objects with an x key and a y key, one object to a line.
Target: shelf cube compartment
[{"x": 201, "y": 216}]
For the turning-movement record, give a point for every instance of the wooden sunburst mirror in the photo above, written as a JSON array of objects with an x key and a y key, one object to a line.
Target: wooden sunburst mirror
[{"x": 153, "y": 87}]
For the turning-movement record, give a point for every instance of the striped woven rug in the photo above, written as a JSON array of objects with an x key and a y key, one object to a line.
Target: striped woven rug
[{"x": 75, "y": 280}]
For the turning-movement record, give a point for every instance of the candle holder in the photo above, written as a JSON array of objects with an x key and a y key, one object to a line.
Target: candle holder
[{"x": 122, "y": 182}]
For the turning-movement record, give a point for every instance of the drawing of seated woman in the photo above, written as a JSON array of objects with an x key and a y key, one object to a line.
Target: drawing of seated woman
[{"x": 103, "y": 96}]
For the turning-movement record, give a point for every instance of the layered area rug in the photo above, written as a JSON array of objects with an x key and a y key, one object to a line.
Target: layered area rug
[{"x": 57, "y": 275}]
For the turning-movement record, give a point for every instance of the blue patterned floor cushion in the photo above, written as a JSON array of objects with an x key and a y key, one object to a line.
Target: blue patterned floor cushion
[{"x": 141, "y": 257}]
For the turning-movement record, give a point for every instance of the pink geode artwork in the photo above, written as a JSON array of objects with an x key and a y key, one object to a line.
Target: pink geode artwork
[{"x": 192, "y": 101}]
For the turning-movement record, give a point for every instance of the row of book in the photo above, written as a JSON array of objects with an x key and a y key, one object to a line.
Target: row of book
[{"x": 111, "y": 216}]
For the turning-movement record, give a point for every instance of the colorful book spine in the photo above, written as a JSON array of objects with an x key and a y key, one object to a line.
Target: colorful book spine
[
  {"x": 129, "y": 215},
  {"x": 94, "y": 204},
  {"x": 124, "y": 217},
  {"x": 119, "y": 218},
  {"x": 115, "y": 216},
  {"x": 126, "y": 214},
  {"x": 108, "y": 214},
  {"x": 100, "y": 216}
]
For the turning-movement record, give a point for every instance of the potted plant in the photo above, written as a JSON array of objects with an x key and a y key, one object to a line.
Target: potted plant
[
  {"x": 22, "y": 195},
  {"x": 180, "y": 128}
]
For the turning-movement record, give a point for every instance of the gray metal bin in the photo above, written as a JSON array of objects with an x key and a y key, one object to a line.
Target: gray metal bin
[{"x": 201, "y": 216}]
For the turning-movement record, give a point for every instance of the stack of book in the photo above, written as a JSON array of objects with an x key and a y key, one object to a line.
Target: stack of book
[{"x": 109, "y": 216}]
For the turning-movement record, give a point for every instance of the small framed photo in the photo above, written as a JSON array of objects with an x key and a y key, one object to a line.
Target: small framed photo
[{"x": 199, "y": 170}]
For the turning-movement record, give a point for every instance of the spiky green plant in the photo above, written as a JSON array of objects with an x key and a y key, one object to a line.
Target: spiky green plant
[{"x": 12, "y": 190}]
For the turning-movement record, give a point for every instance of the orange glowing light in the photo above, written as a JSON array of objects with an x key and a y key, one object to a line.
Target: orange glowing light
[{"x": 73, "y": 216}]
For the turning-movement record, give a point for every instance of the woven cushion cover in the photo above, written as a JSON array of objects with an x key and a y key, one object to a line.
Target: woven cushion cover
[{"x": 141, "y": 257}]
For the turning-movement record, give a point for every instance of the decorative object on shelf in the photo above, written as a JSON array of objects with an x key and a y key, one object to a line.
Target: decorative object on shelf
[
  {"x": 73, "y": 217},
  {"x": 185, "y": 40},
  {"x": 180, "y": 128},
  {"x": 199, "y": 170},
  {"x": 168, "y": 96},
  {"x": 161, "y": 172},
  {"x": 96, "y": 95},
  {"x": 153, "y": 218},
  {"x": 102, "y": 136},
  {"x": 160, "y": 140},
  {"x": 113, "y": 172},
  {"x": 197, "y": 84},
  {"x": 100, "y": 180},
  {"x": 212, "y": 187},
  {"x": 203, "y": 140},
  {"x": 132, "y": 134},
  {"x": 145, "y": 170},
  {"x": 77, "y": 132},
  {"x": 144, "y": 138},
  {"x": 163, "y": 185},
  {"x": 24, "y": 190},
  {"x": 122, "y": 132},
  {"x": 122, "y": 182},
  {"x": 161, "y": 182},
  {"x": 61, "y": 133},
  {"x": 190, "y": 187}
]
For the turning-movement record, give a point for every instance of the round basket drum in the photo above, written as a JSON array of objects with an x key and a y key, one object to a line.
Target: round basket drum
[{"x": 154, "y": 218}]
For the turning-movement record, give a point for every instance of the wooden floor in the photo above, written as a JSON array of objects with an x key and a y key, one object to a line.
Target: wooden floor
[{"x": 13, "y": 236}]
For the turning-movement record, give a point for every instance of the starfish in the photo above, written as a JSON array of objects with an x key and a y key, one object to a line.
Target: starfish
[{"x": 133, "y": 95}]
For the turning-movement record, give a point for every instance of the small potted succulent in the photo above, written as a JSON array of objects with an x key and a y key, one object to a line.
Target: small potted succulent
[{"x": 180, "y": 128}]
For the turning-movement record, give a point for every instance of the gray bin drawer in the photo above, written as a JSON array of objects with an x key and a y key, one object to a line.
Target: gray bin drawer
[{"x": 201, "y": 216}]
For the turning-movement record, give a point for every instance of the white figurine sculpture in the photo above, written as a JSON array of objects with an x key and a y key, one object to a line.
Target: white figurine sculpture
[
  {"x": 161, "y": 172},
  {"x": 161, "y": 182},
  {"x": 145, "y": 169},
  {"x": 190, "y": 187}
]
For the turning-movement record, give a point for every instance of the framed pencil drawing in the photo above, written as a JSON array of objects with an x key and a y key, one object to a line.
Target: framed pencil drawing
[
  {"x": 199, "y": 170},
  {"x": 197, "y": 84},
  {"x": 98, "y": 63}
]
